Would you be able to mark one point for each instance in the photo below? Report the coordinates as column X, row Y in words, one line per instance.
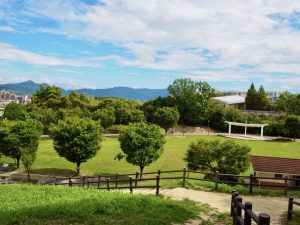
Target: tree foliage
column 77, row 139
column 257, row 100
column 141, row 143
column 192, row 100
column 211, row 156
column 19, row 136
column 166, row 117
column 289, row 103
column 292, row 124
column 15, row 111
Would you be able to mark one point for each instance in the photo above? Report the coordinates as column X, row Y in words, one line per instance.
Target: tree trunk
column 28, row 175
column 18, row 161
column 78, row 168
column 141, row 171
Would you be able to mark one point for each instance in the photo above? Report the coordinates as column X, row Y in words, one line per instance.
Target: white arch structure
column 246, row 125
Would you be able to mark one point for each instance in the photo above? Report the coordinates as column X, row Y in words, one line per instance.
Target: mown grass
column 48, row 161
column 36, row 205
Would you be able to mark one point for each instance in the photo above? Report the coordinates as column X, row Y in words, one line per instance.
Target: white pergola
column 246, row 125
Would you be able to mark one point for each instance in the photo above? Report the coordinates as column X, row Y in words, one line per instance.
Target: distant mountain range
column 142, row 94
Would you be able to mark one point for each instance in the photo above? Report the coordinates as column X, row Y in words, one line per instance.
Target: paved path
column 274, row 206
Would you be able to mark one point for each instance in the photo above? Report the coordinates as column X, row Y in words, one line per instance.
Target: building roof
column 247, row 124
column 230, row 100
column 276, row 165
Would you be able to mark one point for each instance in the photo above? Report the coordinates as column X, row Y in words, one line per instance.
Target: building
column 272, row 95
column 276, row 168
column 235, row 101
column 7, row 97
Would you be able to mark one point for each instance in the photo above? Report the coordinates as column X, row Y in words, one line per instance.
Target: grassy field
column 48, row 162
column 42, row 205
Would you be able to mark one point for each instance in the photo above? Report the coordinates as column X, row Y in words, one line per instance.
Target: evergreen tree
column 251, row 98
column 262, row 99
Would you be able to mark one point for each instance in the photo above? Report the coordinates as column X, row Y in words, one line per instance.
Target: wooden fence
column 134, row 180
column 291, row 212
column 242, row 214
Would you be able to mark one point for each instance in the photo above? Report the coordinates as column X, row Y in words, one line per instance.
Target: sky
column 148, row 44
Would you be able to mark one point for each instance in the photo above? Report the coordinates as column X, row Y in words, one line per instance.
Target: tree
column 289, row 103
column 76, row 139
column 15, row 136
column 192, row 100
column 49, row 97
column 125, row 115
column 14, row 111
column 141, row 143
column 292, row 124
column 211, row 156
column 263, row 102
column 166, row 117
column 251, row 98
column 106, row 116
column 28, row 157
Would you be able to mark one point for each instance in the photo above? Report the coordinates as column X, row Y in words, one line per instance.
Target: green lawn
column 48, row 162
column 42, row 205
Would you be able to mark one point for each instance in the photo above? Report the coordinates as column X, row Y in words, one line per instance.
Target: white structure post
column 262, row 132
column 229, row 131
column 245, row 130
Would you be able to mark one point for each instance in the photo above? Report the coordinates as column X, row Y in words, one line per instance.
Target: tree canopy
column 76, row 139
column 141, row 143
column 166, row 117
column 15, row 111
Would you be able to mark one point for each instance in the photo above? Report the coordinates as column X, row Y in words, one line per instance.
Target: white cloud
column 12, row 53
column 177, row 35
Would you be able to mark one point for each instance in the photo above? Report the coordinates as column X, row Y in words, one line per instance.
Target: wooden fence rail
column 291, row 212
column 184, row 175
column 242, row 214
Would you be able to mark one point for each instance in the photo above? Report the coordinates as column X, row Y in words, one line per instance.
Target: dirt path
column 274, row 206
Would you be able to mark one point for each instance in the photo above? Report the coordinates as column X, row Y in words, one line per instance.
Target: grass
column 37, row 205
column 48, row 162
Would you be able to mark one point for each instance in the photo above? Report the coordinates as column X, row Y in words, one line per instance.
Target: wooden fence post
column 184, row 177
column 233, row 195
column 136, row 179
column 116, row 180
column 247, row 218
column 157, row 185
column 99, row 181
column 88, row 183
column 263, row 219
column 238, row 208
column 107, row 183
column 130, row 184
column 83, row 179
column 285, row 185
column 217, row 175
column 251, row 180
column 158, row 172
column 70, row 182
column 290, row 209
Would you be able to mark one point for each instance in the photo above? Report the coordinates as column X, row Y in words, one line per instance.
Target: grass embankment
column 48, row 161
column 34, row 205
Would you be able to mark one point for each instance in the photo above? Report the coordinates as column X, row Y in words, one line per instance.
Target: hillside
column 64, row 205
column 142, row 94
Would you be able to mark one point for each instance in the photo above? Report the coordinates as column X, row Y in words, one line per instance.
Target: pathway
column 274, row 206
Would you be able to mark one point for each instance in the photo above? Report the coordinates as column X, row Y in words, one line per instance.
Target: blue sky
column 108, row 43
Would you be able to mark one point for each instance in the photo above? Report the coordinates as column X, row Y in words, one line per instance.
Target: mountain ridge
column 29, row 87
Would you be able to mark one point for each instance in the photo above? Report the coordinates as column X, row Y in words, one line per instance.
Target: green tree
column 49, row 97
column 14, row 111
column 251, row 98
column 292, row 124
column 76, row 139
column 141, row 143
column 263, row 102
column 125, row 115
column 192, row 100
column 166, row 117
column 106, row 116
column 16, row 136
column 289, row 103
column 211, row 156
column 28, row 157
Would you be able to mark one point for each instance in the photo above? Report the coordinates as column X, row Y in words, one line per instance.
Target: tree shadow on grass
column 54, row 172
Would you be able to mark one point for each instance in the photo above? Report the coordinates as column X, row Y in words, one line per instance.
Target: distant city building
column 7, row 97
column 272, row 95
